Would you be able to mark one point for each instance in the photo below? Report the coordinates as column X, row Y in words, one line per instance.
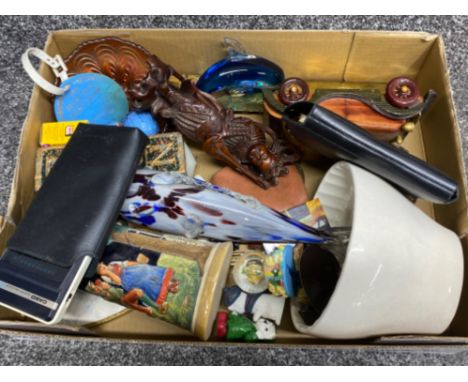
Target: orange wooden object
column 362, row 115
column 289, row 192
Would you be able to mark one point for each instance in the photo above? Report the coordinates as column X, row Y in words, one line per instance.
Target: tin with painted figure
column 166, row 277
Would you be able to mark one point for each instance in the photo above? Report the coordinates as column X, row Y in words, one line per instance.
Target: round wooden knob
column 293, row 90
column 402, row 92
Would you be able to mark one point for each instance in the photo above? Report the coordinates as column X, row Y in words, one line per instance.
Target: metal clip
column 59, row 68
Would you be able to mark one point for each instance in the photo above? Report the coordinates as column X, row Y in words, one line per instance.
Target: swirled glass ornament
column 175, row 203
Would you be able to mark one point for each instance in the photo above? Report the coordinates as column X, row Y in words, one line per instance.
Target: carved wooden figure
column 237, row 141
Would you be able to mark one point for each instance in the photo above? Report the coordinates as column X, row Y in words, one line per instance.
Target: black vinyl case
column 65, row 229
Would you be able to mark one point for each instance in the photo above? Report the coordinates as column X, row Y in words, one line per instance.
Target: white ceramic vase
column 402, row 272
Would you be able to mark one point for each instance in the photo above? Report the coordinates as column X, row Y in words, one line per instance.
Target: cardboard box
column 351, row 58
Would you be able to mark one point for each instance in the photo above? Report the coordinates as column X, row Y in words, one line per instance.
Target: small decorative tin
column 165, row 152
column 174, row 279
column 45, row 159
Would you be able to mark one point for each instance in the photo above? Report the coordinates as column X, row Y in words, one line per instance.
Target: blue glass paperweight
column 240, row 72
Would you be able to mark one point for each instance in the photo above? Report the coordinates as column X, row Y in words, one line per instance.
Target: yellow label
column 58, row 133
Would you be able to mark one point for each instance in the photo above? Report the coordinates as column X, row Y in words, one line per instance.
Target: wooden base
column 365, row 117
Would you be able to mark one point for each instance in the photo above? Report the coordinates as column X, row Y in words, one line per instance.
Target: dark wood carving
column 237, row 141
